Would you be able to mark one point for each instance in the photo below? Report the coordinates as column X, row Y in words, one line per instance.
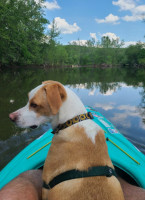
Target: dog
column 75, row 148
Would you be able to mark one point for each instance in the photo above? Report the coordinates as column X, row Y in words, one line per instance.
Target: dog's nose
column 13, row 116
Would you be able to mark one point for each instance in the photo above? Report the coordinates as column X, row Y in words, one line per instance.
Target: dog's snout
column 13, row 116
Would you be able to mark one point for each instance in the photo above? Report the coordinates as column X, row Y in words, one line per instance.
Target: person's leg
column 27, row 186
column 132, row 192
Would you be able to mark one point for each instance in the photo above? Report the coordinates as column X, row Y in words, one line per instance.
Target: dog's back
column 72, row 149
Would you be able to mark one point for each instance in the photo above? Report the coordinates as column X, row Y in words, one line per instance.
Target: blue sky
column 86, row 19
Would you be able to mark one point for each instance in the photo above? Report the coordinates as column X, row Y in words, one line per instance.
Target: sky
column 86, row 19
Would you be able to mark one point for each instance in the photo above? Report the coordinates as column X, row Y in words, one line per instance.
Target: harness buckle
column 109, row 172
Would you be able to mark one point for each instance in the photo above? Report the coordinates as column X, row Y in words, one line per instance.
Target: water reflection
column 120, row 104
column 13, row 145
column 117, row 93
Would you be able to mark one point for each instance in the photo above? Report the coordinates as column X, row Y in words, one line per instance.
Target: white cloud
column 109, row 92
column 112, row 36
column 124, row 85
column 127, row 108
column 109, row 19
column 127, row 111
column 93, row 35
column 92, row 92
column 124, row 4
column 121, row 118
column 49, row 5
column 139, row 9
column 127, row 44
column 83, row 42
column 104, row 106
column 78, row 86
column 65, row 27
column 137, row 12
column 79, row 42
column 132, row 18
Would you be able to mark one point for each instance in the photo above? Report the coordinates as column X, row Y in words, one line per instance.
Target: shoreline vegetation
column 47, row 66
column 24, row 41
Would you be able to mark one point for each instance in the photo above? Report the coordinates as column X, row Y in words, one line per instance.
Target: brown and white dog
column 79, row 146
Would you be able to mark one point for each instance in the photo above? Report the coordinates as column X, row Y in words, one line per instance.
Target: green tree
column 53, row 34
column 22, row 25
column 136, row 55
column 50, row 52
column 91, row 42
column 106, row 42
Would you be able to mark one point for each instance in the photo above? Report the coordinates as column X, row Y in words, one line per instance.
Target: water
column 118, row 94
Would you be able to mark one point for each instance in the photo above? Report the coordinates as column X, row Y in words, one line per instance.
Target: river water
column 119, row 94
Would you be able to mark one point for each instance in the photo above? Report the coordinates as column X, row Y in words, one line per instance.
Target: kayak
column 124, row 155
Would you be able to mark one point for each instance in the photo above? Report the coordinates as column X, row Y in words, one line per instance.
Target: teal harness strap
column 74, row 174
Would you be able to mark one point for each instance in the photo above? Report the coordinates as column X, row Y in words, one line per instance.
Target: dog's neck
column 69, row 109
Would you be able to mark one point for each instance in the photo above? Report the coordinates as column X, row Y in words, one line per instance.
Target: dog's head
column 44, row 102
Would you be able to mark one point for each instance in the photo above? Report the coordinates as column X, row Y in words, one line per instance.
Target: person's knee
column 19, row 189
column 26, row 186
column 32, row 175
column 132, row 192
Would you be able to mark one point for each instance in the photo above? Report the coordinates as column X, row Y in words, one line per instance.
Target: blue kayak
column 124, row 155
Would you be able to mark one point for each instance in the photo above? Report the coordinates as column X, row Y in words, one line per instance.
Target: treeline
column 24, row 41
column 74, row 55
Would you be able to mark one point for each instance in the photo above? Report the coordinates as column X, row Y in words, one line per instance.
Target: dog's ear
column 56, row 95
column 46, row 82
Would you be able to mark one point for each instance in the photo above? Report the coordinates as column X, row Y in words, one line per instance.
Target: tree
column 22, row 25
column 136, row 55
column 50, row 46
column 106, row 42
column 53, row 33
column 90, row 43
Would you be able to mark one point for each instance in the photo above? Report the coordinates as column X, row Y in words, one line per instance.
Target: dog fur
column 79, row 146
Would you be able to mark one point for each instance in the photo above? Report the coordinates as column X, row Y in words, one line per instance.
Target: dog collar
column 72, row 121
column 74, row 174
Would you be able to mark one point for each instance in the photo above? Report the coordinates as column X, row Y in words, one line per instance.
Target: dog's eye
column 33, row 105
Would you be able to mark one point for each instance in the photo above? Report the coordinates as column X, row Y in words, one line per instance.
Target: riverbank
column 46, row 66
column 73, row 56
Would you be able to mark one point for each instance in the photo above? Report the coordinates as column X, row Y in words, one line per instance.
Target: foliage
column 106, row 42
column 136, row 55
column 53, row 53
column 108, row 53
column 21, row 29
column 53, row 33
column 24, row 41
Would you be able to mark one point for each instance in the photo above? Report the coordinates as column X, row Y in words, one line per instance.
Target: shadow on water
column 119, row 94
